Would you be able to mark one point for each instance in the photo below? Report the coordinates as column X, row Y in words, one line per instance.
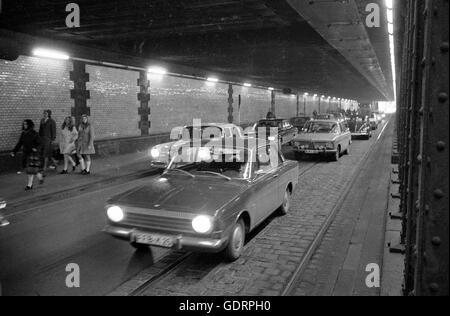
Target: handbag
column 34, row 163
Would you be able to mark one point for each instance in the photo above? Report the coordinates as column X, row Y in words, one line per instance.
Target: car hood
column 309, row 137
column 202, row 195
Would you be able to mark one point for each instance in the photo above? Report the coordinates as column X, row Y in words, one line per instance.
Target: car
column 286, row 132
column 161, row 154
column 324, row 137
column 331, row 116
column 373, row 121
column 3, row 221
column 360, row 128
column 299, row 122
column 206, row 204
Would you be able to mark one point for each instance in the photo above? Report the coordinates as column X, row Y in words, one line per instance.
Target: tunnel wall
column 29, row 85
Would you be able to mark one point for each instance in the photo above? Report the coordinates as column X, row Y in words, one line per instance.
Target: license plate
column 311, row 151
column 154, row 240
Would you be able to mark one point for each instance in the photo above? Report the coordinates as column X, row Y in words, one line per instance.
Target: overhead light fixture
column 212, row 79
column 315, row 95
column 248, row 85
column 271, row 89
column 49, row 53
column 306, row 94
column 157, row 70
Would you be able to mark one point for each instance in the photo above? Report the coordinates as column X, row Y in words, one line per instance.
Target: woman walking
column 32, row 152
column 69, row 135
column 85, row 145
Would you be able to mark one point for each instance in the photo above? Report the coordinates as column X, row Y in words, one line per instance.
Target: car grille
column 159, row 223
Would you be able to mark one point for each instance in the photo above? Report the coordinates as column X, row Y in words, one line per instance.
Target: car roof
column 220, row 125
column 326, row 121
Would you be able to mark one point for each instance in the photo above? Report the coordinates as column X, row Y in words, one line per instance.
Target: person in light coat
column 67, row 146
column 85, row 146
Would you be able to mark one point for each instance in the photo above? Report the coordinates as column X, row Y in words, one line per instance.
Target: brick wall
column 255, row 103
column 177, row 101
column 113, row 103
column 30, row 85
column 27, row 87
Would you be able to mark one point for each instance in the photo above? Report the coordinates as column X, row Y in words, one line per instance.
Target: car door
column 346, row 137
column 265, row 183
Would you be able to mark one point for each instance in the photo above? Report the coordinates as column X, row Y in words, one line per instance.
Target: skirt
column 34, row 164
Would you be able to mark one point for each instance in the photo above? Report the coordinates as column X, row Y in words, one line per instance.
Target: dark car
column 360, row 129
column 300, row 122
column 206, row 204
column 285, row 131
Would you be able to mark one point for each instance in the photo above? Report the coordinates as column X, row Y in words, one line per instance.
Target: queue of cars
column 220, row 182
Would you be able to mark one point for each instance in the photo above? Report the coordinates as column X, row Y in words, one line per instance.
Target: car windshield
column 227, row 163
column 299, row 121
column 268, row 124
column 205, row 132
column 320, row 127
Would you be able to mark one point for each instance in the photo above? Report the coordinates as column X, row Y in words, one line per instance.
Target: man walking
column 47, row 132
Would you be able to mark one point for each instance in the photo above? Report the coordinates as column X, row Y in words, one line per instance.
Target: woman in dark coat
column 32, row 153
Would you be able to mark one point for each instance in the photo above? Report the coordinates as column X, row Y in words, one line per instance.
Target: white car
column 162, row 154
column 324, row 138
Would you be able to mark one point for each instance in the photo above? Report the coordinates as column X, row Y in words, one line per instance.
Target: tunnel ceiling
column 266, row 42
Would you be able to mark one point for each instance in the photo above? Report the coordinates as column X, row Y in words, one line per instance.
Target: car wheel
column 236, row 243
column 337, row 155
column 284, row 209
column 140, row 247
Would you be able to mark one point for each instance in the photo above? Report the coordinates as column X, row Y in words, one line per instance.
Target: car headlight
column 2, row 204
column 272, row 138
column 115, row 214
column 202, row 224
column 155, row 152
column 330, row 145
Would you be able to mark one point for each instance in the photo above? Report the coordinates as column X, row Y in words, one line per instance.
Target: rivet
column 427, row 209
column 419, row 159
column 440, row 145
column 421, row 110
column 438, row 193
column 434, row 287
column 436, row 241
column 443, row 97
column 444, row 47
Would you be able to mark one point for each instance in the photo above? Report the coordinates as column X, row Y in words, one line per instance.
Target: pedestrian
column 85, row 146
column 270, row 116
column 47, row 132
column 20, row 145
column 69, row 135
column 315, row 114
column 32, row 153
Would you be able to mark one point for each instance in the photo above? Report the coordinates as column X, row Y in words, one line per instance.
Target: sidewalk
column 12, row 185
